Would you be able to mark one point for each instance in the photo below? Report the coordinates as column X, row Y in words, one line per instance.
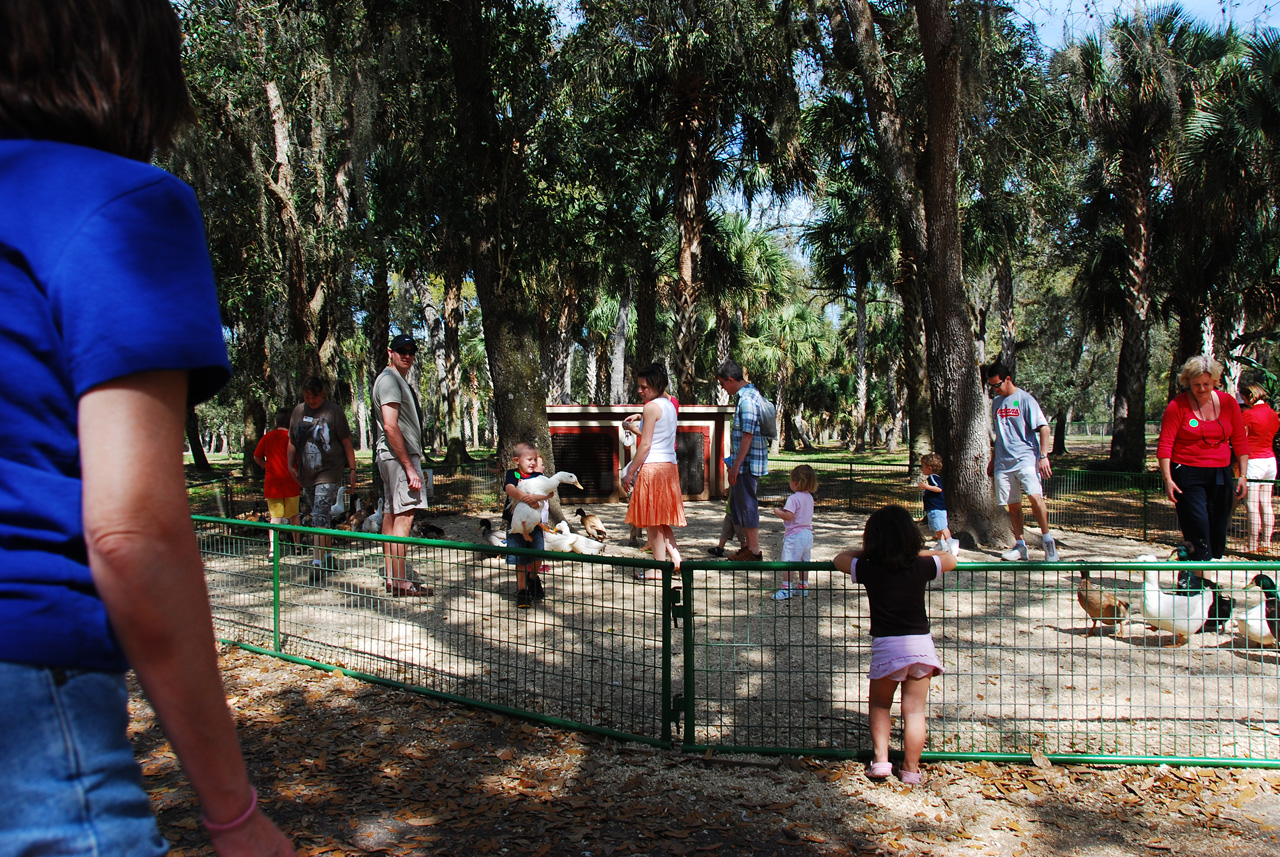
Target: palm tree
column 1131, row 87
column 718, row 77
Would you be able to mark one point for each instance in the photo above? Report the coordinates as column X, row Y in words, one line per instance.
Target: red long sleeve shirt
column 1187, row 439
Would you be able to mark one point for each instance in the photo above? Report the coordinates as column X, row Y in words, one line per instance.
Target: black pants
column 1204, row 508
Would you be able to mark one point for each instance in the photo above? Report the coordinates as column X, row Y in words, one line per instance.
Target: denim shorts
column 69, row 784
column 937, row 520
column 535, row 542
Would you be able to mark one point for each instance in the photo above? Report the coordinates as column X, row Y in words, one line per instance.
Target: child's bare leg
column 915, row 696
column 522, row 577
column 669, row 536
column 879, row 701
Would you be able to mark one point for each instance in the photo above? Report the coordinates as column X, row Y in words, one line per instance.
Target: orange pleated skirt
column 656, row 498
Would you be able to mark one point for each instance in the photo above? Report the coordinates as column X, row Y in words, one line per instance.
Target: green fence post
column 849, row 490
column 1145, row 493
column 667, row 613
column 687, row 736
column 275, row 590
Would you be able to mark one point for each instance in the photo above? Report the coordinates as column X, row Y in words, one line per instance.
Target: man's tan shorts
column 395, row 485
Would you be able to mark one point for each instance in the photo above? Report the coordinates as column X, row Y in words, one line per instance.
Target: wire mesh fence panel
column 1025, row 672
column 842, row 484
column 591, row 653
column 771, row 674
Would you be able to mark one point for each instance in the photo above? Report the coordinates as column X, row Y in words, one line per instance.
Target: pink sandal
column 910, row 778
column 880, row 770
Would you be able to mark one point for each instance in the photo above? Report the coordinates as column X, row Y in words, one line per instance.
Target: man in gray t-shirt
column 1019, row 457
column 398, row 457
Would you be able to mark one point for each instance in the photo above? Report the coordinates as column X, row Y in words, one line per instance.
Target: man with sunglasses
column 1019, row 457
column 398, row 455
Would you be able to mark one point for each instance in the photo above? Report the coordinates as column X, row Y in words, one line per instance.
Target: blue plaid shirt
column 747, row 418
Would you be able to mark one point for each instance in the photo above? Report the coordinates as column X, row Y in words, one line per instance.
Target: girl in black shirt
column 895, row 571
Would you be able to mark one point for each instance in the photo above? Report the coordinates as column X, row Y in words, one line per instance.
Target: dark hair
column 730, row 371
column 891, row 538
column 996, row 369
column 282, row 417
column 315, row 385
column 106, row 74
column 655, row 375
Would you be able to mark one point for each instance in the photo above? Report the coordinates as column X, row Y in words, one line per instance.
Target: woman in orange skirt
column 652, row 477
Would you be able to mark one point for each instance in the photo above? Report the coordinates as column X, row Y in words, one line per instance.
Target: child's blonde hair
column 804, row 478
column 931, row 460
column 522, row 447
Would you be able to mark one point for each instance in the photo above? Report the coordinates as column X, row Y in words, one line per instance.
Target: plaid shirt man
column 747, row 419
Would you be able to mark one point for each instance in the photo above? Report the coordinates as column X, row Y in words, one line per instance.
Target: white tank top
column 663, row 448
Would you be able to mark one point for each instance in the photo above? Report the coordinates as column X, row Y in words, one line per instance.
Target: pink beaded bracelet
column 241, row 819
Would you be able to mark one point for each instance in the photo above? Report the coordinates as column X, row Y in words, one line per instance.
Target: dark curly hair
column 891, row 538
column 106, row 74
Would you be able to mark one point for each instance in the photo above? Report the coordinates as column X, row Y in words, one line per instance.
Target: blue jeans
column 69, row 784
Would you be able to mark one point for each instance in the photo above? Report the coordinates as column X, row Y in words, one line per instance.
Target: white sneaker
column 942, row 545
column 782, row 594
column 953, row 547
column 1051, row 551
column 1019, row 552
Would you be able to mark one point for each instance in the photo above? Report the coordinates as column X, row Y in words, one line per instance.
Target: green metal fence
column 711, row 660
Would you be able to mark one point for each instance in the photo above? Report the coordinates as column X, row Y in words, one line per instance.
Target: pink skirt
column 655, row 498
column 900, row 658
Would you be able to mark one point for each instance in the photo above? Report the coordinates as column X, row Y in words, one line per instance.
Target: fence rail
column 709, row 660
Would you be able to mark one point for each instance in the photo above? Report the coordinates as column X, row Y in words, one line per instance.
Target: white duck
column 525, row 518
column 373, row 523
column 1181, row 615
column 1261, row 624
column 339, row 507
column 560, row 539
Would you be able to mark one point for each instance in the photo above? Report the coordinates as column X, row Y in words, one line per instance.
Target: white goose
column 1261, row 624
column 1181, row 615
column 525, row 518
column 373, row 523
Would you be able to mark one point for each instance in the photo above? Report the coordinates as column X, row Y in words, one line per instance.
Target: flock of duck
column 1194, row 605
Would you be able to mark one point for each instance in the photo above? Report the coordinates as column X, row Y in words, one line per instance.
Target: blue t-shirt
column 935, row 501
column 104, row 273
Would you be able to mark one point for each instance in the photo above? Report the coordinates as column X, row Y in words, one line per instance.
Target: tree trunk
column 618, row 346
column 1129, row 418
column 1004, row 292
column 860, row 367
column 198, row 459
column 452, row 318
column 959, row 406
column 492, row 162
column 688, row 136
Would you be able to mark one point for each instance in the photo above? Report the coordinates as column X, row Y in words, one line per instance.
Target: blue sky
column 1082, row 16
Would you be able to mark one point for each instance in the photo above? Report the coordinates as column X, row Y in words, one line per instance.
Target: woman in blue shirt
column 110, row 331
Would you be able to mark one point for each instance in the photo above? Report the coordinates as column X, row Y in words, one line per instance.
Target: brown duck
column 1101, row 605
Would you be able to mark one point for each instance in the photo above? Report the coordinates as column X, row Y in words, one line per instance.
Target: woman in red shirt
column 1260, row 425
column 1199, row 430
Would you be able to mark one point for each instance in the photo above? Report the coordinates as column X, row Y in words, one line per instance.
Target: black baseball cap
column 403, row 342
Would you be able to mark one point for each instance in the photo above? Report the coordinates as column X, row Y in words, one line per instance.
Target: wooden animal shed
column 587, row 441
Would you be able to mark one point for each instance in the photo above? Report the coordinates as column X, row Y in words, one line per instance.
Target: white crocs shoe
column 953, row 547
column 1018, row 552
column 1051, row 550
column 782, row 594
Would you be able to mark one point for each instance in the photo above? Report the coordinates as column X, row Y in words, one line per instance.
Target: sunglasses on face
column 407, row 352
